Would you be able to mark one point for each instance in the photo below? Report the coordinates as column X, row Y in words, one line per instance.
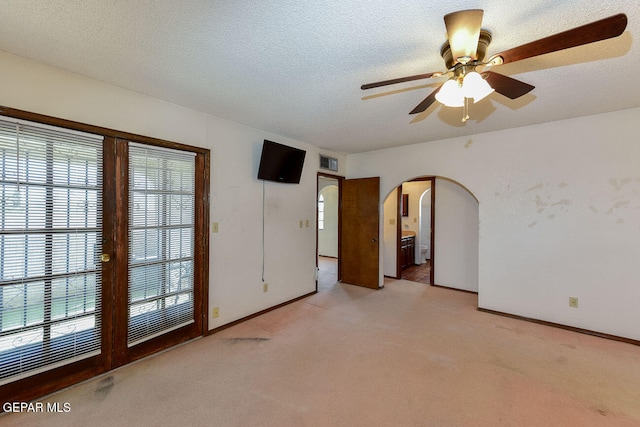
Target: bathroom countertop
column 408, row 233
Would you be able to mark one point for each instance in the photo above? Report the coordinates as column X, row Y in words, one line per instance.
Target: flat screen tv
column 280, row 163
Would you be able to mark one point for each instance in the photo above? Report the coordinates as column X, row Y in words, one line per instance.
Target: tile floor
column 418, row 273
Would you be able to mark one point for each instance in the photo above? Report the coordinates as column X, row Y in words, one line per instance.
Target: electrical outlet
column 216, row 312
column 392, row 221
column 214, row 227
column 265, row 287
column 573, row 302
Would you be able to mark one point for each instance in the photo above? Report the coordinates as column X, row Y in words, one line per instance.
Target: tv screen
column 280, row 163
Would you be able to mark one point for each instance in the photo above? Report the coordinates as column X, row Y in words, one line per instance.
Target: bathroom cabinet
column 407, row 251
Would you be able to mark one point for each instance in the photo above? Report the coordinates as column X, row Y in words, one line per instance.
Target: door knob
column 105, row 258
column 375, row 239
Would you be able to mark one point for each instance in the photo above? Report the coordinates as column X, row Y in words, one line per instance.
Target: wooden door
column 360, row 227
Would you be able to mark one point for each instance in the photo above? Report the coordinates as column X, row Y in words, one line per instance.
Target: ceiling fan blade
column 463, row 32
column 426, row 103
column 507, row 86
column 399, row 80
column 603, row 29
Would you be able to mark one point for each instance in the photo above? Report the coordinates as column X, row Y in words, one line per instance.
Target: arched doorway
column 453, row 244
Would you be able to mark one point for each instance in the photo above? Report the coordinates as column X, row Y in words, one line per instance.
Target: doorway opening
column 408, row 231
column 421, row 270
column 356, row 231
column 327, row 229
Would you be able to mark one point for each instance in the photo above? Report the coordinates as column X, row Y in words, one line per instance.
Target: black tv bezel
column 282, row 172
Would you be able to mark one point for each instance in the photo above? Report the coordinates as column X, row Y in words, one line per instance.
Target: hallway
column 327, row 272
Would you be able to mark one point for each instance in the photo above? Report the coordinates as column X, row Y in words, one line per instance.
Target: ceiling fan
column 466, row 49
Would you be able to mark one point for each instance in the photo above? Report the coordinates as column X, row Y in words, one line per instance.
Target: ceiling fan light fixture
column 474, row 86
column 450, row 94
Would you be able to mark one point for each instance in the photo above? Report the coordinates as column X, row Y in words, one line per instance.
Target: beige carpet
column 407, row 355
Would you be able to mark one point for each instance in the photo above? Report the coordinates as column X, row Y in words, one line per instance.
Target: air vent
column 328, row 163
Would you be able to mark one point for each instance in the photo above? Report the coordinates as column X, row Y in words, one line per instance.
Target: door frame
column 432, row 179
column 40, row 384
column 340, row 180
column 121, row 351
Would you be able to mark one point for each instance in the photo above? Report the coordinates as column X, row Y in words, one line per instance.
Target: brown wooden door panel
column 360, row 240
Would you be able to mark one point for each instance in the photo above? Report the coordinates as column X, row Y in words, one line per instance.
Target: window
column 161, row 231
column 50, row 231
column 321, row 212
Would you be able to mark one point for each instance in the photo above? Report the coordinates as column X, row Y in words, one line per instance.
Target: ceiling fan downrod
column 465, row 111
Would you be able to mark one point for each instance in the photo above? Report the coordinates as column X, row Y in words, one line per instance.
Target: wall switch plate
column 573, row 302
column 215, row 312
column 265, row 287
column 214, row 227
column 306, row 223
column 301, row 223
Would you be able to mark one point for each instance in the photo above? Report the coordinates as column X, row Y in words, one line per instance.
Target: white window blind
column 161, row 235
column 50, row 240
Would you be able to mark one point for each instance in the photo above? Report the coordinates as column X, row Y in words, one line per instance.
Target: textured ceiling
column 295, row 67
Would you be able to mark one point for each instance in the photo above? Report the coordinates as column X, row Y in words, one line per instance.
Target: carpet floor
column 407, row 355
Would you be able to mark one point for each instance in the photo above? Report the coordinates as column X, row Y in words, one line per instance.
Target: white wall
column 456, row 237
column 559, row 211
column 559, row 202
column 236, row 194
